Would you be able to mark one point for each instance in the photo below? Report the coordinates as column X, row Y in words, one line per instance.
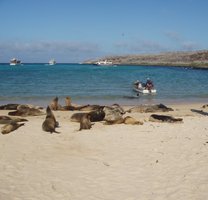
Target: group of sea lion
column 54, row 105
column 94, row 113
column 12, row 123
column 91, row 113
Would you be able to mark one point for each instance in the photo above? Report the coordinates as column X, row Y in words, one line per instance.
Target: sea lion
column 119, row 108
column 10, row 127
column 9, row 107
column 50, row 122
column 54, row 104
column 25, row 110
column 132, row 121
column 95, row 116
column 116, row 121
column 200, row 112
column 7, row 120
column 68, row 101
column 89, row 107
column 126, row 120
column 85, row 122
column 112, row 113
column 205, row 106
column 68, row 105
column 150, row 108
column 76, row 117
column 164, row 118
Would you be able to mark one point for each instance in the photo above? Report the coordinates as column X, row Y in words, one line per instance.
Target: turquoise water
column 90, row 84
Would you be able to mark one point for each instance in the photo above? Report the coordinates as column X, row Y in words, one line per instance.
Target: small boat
column 104, row 63
column 145, row 91
column 141, row 88
column 14, row 61
column 52, row 62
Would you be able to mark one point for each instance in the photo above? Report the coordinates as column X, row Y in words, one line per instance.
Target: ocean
column 38, row 84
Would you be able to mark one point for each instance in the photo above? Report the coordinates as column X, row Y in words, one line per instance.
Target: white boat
column 140, row 88
column 52, row 62
column 104, row 63
column 145, row 91
column 14, row 61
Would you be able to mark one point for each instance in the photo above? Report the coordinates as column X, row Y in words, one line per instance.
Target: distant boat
column 14, row 61
column 52, row 62
column 104, row 63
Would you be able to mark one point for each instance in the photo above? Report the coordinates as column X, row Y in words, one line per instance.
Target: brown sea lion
column 68, row 105
column 54, row 104
column 164, row 118
column 132, row 121
column 126, row 120
column 205, row 106
column 50, row 123
column 95, row 116
column 89, row 107
column 150, row 108
column 85, row 122
column 23, row 106
column 10, row 127
column 76, row 117
column 68, row 101
column 116, row 121
column 25, row 110
column 119, row 108
column 112, row 113
column 7, row 120
column 9, row 107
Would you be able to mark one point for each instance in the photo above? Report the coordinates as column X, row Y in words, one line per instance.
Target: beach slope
column 151, row 161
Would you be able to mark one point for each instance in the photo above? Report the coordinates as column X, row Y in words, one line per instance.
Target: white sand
column 154, row 161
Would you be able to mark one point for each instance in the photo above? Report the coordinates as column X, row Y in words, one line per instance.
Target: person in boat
column 138, row 84
column 149, row 84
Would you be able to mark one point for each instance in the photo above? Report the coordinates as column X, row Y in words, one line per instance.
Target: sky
column 79, row 30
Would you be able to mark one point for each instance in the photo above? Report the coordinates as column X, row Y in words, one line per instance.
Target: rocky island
column 194, row 59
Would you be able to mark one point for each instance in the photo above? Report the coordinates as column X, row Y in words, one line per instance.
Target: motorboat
column 14, row 61
column 142, row 88
column 104, row 63
column 52, row 62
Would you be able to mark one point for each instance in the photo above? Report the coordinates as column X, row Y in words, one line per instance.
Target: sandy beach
column 153, row 161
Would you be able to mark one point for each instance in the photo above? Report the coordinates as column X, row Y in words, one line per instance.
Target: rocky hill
column 196, row 59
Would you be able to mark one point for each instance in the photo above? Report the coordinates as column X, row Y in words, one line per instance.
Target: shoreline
column 200, row 66
column 124, row 103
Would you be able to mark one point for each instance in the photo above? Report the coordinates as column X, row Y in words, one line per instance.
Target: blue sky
column 77, row 30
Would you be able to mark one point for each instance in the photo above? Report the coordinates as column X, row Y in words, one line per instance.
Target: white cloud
column 189, row 46
column 180, row 42
column 173, row 35
column 145, row 46
column 49, row 46
column 40, row 51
